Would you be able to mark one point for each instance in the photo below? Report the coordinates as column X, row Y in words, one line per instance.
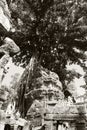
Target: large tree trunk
column 24, row 86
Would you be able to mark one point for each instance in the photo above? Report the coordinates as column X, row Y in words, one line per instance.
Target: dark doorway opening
column 7, row 127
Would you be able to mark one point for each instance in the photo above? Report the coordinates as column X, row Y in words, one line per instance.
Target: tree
column 52, row 30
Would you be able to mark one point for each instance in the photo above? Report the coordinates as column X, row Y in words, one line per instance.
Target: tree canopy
column 54, row 30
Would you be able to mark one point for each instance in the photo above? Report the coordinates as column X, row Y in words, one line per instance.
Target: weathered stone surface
column 3, row 94
column 35, row 113
column 71, row 112
column 4, row 60
column 46, row 83
column 38, row 83
column 8, row 49
column 9, row 46
column 5, row 15
column 36, row 107
column 49, row 77
column 46, row 90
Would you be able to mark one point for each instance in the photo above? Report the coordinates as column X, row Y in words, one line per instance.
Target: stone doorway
column 7, row 127
column 62, row 125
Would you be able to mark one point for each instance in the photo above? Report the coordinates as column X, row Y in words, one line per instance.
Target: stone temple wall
column 59, row 117
column 8, row 46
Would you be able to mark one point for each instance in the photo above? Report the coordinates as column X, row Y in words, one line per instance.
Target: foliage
column 52, row 29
